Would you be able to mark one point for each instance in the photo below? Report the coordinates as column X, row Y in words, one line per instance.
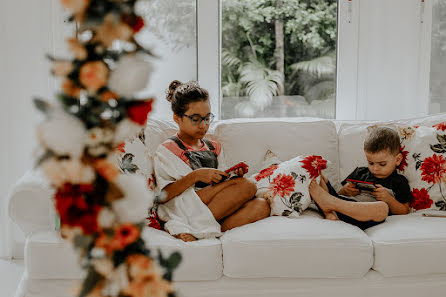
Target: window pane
column 438, row 58
column 170, row 33
column 278, row 58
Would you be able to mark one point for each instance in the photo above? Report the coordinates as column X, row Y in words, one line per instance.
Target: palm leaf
column 261, row 82
column 320, row 66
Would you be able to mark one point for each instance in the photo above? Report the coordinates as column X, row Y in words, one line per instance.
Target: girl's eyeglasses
column 197, row 119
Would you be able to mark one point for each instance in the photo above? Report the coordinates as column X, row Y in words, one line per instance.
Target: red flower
column 403, row 163
column 138, row 24
column 154, row 221
column 266, row 172
column 121, row 147
column 433, row 169
column 421, row 199
column 441, row 126
column 74, row 210
column 282, row 185
column 314, row 165
column 138, row 112
column 124, row 235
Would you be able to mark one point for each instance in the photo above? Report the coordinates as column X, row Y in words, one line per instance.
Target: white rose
column 68, row 171
column 62, row 133
column 126, row 129
column 131, row 75
column 137, row 200
column 116, row 281
column 106, row 218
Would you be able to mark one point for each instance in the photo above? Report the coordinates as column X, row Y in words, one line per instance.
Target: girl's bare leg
column 207, row 194
column 231, row 198
column 253, row 210
column 361, row 211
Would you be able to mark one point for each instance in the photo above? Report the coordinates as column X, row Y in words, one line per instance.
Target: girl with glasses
column 200, row 201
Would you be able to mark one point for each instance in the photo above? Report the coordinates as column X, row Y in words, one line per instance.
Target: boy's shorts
column 361, row 224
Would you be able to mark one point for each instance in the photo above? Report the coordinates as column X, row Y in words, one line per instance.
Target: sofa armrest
column 30, row 203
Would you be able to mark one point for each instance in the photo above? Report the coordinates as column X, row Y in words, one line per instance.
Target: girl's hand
column 241, row 171
column 349, row 190
column 209, row 175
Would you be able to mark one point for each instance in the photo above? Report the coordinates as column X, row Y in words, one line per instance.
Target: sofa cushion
column 48, row 256
column 409, row 245
column 305, row 247
column 201, row 259
column 353, row 134
column 248, row 140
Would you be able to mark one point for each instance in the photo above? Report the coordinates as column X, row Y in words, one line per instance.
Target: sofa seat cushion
column 409, row 245
column 48, row 256
column 201, row 259
column 306, row 247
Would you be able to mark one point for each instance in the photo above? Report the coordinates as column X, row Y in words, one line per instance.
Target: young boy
column 392, row 193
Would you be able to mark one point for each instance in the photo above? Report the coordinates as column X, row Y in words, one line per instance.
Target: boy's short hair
column 382, row 139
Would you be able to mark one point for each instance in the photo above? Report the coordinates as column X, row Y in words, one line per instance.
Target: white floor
column 10, row 274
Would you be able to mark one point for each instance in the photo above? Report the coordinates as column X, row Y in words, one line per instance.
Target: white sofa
column 278, row 256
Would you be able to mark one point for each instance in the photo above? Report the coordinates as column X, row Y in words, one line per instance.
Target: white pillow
column 285, row 185
column 425, row 152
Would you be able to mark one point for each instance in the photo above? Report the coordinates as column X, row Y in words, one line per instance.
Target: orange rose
column 62, row 68
column 125, row 234
column 106, row 169
column 93, row 75
column 141, row 267
column 108, row 95
column 71, row 89
column 149, row 287
column 76, row 6
column 111, row 29
column 78, row 50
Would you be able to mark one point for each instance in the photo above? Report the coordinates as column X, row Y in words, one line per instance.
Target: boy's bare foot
column 323, row 199
column 185, row 237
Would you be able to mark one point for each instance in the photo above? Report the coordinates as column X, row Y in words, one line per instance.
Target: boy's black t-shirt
column 395, row 182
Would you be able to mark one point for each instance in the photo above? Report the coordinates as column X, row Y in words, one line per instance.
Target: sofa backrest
column 249, row 139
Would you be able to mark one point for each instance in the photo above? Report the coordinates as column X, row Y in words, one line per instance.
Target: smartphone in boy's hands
column 232, row 171
column 362, row 186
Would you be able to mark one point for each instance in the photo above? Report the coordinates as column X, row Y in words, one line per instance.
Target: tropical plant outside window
column 278, row 58
column 438, row 57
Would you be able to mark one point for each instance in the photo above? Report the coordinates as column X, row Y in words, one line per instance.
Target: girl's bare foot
column 323, row 199
column 185, row 237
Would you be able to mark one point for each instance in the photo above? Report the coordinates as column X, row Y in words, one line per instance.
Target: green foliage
column 248, row 38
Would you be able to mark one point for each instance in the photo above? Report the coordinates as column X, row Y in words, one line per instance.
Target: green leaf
column 81, row 241
column 90, row 282
column 174, row 260
column 48, row 154
column 42, row 105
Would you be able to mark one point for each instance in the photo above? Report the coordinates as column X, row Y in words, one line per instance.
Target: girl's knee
column 259, row 207
column 247, row 186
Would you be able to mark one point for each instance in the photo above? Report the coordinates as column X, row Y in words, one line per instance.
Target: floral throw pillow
column 424, row 164
column 285, row 185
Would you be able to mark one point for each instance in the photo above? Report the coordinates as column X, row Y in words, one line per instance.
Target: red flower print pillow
column 424, row 164
column 285, row 185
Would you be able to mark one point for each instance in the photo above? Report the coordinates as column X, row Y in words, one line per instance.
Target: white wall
column 27, row 34
column 390, row 53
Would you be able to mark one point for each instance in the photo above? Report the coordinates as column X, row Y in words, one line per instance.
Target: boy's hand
column 209, row 175
column 381, row 194
column 349, row 189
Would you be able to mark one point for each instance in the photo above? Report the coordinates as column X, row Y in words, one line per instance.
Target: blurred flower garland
column 102, row 210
